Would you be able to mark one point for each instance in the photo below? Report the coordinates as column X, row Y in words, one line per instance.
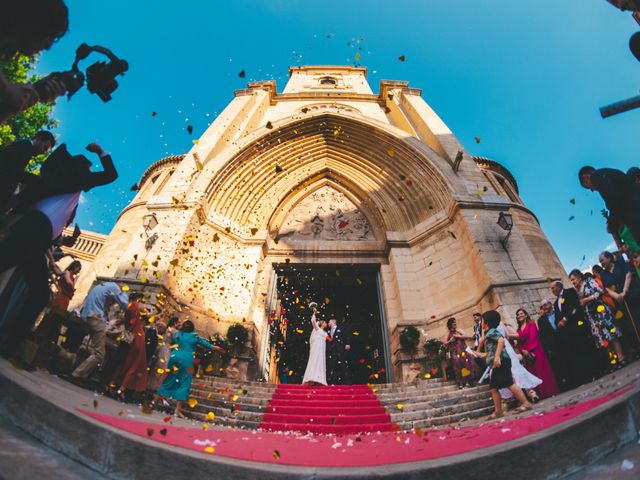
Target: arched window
column 328, row 81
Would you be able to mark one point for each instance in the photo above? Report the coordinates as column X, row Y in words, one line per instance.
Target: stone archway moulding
column 403, row 185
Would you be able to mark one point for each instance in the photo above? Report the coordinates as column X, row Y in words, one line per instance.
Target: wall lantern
column 149, row 222
column 505, row 220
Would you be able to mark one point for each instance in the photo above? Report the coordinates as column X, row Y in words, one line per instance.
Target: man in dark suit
column 337, row 350
column 575, row 350
column 15, row 158
column 548, row 329
column 620, row 194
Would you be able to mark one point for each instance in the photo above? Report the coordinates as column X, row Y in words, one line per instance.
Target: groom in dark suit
column 337, row 348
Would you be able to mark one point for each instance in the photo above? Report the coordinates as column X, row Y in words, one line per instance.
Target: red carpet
column 336, row 409
column 349, row 450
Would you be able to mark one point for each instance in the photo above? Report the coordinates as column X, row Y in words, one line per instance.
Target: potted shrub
column 237, row 336
column 409, row 339
column 436, row 357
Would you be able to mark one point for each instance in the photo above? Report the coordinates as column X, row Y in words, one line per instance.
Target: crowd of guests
column 130, row 352
column 582, row 332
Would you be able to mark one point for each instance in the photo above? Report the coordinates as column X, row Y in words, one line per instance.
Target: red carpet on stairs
column 337, row 409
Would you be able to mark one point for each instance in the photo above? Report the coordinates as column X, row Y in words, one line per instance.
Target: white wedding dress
column 317, row 365
column 521, row 376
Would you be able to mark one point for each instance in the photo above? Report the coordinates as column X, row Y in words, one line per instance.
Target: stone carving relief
column 326, row 214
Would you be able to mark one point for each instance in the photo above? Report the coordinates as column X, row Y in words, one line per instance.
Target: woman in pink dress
column 534, row 358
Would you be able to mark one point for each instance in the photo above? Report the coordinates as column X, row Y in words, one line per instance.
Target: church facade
column 328, row 174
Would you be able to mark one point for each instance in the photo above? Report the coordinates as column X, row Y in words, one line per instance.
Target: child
column 498, row 359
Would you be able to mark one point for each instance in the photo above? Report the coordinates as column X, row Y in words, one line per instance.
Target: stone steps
column 424, row 403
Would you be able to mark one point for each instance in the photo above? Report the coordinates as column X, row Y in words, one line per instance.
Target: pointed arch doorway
column 349, row 292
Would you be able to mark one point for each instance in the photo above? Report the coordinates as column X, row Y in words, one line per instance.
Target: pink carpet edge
column 350, row 450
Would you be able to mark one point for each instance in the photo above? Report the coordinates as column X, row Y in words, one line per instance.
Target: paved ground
column 22, row 457
column 623, row 464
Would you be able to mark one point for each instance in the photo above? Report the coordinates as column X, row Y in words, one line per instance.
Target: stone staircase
column 421, row 404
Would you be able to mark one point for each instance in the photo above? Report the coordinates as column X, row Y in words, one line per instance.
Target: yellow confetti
column 125, row 288
column 192, row 402
column 619, row 315
column 144, row 280
column 209, row 449
column 400, row 406
column 465, row 372
column 211, row 417
column 600, row 309
column 427, row 375
column 580, row 323
column 356, row 333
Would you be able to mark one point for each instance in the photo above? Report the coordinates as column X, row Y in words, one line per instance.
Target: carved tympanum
column 326, row 214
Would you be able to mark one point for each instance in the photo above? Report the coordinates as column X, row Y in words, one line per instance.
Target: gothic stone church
column 364, row 203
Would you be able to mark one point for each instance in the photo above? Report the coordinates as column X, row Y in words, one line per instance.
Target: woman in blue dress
column 177, row 384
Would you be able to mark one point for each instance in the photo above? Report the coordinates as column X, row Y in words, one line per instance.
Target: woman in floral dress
column 604, row 332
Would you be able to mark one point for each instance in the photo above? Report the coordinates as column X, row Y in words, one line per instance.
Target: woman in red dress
column 534, row 358
column 66, row 287
column 132, row 373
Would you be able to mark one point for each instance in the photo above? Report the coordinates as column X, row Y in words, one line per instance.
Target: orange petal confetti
column 192, row 402
column 619, row 315
column 465, row 372
column 209, row 449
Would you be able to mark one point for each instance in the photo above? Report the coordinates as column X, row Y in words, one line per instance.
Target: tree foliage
column 25, row 124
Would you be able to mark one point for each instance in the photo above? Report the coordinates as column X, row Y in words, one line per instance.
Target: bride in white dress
column 316, row 372
column 521, row 376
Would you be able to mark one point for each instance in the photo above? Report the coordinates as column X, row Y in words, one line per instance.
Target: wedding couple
column 327, row 352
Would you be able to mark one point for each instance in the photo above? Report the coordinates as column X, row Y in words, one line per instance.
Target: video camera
column 100, row 77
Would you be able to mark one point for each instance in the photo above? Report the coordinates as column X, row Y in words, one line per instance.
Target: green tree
column 25, row 124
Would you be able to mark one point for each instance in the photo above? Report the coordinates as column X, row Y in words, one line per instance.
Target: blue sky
column 525, row 77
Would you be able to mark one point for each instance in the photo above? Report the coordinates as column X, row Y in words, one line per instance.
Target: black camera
column 100, row 77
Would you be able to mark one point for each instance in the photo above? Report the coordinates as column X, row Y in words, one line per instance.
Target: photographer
column 48, row 205
column 26, row 28
column 15, row 158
